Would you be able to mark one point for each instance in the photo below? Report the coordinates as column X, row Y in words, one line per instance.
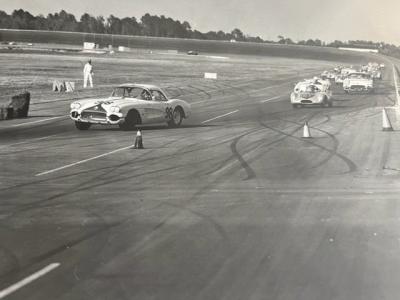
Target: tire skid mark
column 208, row 95
column 352, row 167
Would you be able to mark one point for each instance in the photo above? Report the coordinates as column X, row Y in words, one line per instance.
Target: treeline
column 158, row 26
column 148, row 25
column 382, row 47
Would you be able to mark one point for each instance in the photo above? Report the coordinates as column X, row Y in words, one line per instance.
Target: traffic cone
column 386, row 125
column 306, row 131
column 138, row 140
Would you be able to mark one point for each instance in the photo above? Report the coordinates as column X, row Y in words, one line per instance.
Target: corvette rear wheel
column 177, row 117
column 82, row 125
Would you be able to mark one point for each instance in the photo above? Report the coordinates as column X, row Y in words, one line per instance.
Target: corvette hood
column 108, row 102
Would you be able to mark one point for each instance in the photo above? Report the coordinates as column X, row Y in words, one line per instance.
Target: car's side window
column 158, row 96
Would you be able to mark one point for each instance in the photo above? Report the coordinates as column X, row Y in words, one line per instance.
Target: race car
column 339, row 78
column 306, row 93
column 376, row 74
column 358, row 82
column 328, row 75
column 344, row 72
column 130, row 105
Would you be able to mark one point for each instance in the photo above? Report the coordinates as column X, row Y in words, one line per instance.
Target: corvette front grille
column 306, row 95
column 94, row 115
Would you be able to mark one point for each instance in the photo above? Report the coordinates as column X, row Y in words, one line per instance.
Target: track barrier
column 17, row 107
column 306, row 131
column 63, row 86
column 58, row 86
column 386, row 125
column 69, row 86
column 138, row 140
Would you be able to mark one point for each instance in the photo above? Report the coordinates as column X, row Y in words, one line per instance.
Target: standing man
column 88, row 73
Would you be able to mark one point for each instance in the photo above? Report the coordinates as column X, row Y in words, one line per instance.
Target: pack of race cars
column 130, row 105
column 317, row 91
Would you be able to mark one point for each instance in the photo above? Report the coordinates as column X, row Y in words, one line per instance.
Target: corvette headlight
column 75, row 105
column 115, row 109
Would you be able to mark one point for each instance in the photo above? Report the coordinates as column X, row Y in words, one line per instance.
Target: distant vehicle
column 347, row 71
column 344, row 72
column 192, row 52
column 376, row 74
column 328, row 75
column 358, row 82
column 382, row 66
column 130, row 105
column 306, row 93
column 339, row 78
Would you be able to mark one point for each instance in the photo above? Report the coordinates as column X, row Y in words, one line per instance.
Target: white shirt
column 88, row 69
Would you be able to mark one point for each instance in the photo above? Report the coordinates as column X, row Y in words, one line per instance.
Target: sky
column 297, row 19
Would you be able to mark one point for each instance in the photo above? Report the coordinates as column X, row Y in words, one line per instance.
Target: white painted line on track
column 270, row 99
column 82, row 161
column 16, row 286
column 38, row 121
column 221, row 116
column 197, row 102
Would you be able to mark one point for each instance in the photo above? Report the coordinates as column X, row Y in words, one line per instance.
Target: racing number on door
column 169, row 113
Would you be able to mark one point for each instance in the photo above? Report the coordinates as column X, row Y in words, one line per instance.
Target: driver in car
column 145, row 95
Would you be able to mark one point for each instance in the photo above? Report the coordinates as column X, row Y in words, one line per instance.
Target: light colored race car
column 130, row 105
column 358, row 82
column 376, row 74
column 339, row 78
column 328, row 75
column 306, row 93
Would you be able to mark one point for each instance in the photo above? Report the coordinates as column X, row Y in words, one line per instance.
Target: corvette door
column 160, row 104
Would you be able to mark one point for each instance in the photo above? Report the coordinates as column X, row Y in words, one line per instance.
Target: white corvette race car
column 130, row 105
column 358, row 82
column 306, row 93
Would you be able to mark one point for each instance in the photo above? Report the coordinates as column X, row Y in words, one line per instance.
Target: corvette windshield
column 128, row 92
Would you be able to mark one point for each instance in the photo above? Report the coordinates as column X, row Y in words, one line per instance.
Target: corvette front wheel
column 177, row 117
column 82, row 125
column 131, row 120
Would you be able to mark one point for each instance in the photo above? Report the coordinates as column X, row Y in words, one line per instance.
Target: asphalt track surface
column 232, row 205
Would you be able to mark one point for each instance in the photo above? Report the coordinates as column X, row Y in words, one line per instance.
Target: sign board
column 123, row 49
column 210, row 75
column 89, row 46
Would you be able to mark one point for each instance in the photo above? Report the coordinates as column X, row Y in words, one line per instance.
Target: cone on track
column 386, row 125
column 138, row 140
column 306, row 131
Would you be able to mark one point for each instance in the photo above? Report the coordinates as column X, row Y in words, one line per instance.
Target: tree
column 238, row 35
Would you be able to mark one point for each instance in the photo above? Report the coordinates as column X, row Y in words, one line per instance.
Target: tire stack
column 18, row 107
